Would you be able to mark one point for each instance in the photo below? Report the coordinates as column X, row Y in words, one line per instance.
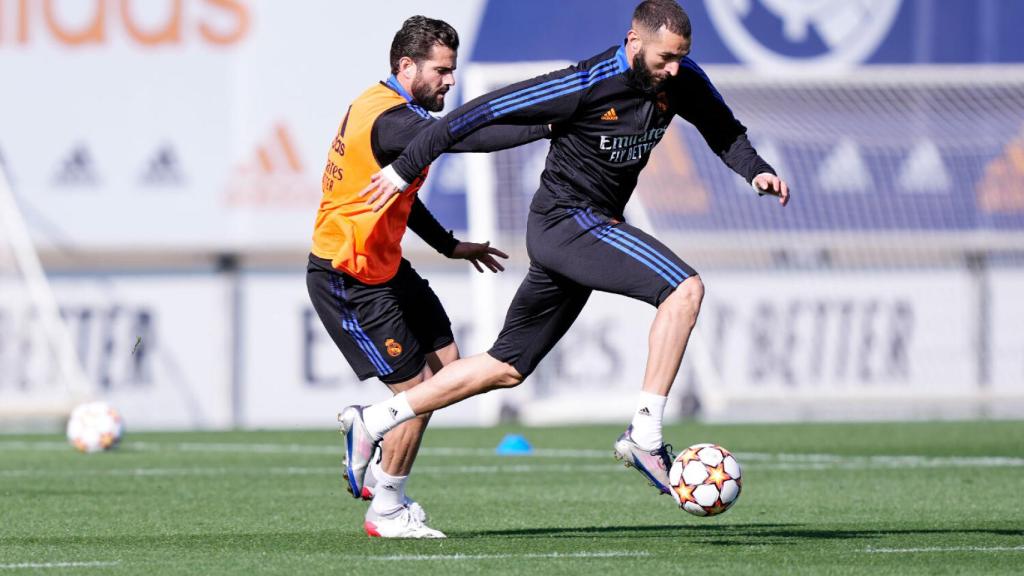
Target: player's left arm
column 392, row 132
column 426, row 226
column 700, row 103
column 501, row 137
column 396, row 128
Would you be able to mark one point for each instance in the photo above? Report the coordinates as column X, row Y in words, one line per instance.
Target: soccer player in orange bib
column 381, row 314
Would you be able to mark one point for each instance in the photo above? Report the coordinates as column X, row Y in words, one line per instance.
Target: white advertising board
column 170, row 352
column 185, row 124
column 782, row 346
column 158, row 347
column 293, row 375
column 1006, row 377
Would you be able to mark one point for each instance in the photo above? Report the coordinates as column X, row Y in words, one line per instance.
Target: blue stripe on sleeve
column 535, row 95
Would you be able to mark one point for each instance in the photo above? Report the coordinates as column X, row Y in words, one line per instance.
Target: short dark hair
column 418, row 36
column 653, row 14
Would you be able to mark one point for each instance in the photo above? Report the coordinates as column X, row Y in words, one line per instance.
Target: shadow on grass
column 332, row 540
column 311, row 542
column 729, row 535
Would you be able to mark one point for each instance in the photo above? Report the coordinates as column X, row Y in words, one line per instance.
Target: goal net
column 885, row 289
column 40, row 376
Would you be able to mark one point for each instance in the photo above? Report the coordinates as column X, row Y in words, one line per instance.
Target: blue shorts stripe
column 602, row 233
column 640, row 244
column 644, row 247
column 354, row 330
column 350, row 325
column 641, row 247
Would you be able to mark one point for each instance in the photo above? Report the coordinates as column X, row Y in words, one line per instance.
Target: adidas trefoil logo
column 610, row 115
column 393, row 412
column 644, row 411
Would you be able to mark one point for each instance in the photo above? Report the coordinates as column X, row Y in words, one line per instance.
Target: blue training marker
column 513, row 445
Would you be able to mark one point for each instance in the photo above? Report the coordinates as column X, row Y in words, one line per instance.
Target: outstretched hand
column 380, row 190
column 768, row 183
column 480, row 254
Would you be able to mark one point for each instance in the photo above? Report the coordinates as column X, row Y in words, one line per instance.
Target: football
column 706, row 479
column 94, row 427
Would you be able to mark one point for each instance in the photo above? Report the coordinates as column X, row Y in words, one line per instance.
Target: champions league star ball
column 94, row 427
column 706, row 479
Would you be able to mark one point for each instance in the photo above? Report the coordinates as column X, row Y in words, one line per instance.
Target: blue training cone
column 513, row 445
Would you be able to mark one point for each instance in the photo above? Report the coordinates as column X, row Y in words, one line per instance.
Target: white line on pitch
column 945, row 549
column 39, row 565
column 759, row 460
column 551, row 555
column 34, row 445
column 422, row 469
column 306, row 471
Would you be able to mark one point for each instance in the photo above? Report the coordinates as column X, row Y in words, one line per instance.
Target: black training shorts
column 384, row 330
column 574, row 251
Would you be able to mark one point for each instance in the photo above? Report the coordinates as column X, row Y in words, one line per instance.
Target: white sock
column 647, row 421
column 389, row 494
column 383, row 416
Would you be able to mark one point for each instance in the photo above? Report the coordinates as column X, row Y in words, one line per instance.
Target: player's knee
column 686, row 300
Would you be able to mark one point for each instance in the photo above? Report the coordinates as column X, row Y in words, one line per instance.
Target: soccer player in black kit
column 608, row 112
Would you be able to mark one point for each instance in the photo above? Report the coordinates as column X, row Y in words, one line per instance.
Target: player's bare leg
column 400, row 446
column 459, row 380
column 641, row 446
column 670, row 333
column 392, row 513
column 462, row 379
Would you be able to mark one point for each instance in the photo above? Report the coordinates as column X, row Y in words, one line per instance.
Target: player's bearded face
column 434, row 78
column 648, row 81
column 658, row 58
column 428, row 94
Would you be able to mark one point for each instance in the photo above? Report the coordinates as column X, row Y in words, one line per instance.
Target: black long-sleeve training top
column 395, row 129
column 605, row 126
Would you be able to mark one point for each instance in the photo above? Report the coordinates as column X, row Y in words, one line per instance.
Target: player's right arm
column 395, row 129
column 548, row 99
column 391, row 133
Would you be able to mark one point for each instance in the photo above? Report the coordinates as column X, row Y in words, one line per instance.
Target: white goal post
column 51, row 384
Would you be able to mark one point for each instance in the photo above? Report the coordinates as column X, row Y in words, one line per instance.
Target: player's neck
column 406, row 85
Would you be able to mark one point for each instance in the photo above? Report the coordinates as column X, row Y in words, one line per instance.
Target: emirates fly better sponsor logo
column 630, row 147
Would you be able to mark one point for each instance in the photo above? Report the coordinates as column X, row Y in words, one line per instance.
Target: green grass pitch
column 929, row 498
